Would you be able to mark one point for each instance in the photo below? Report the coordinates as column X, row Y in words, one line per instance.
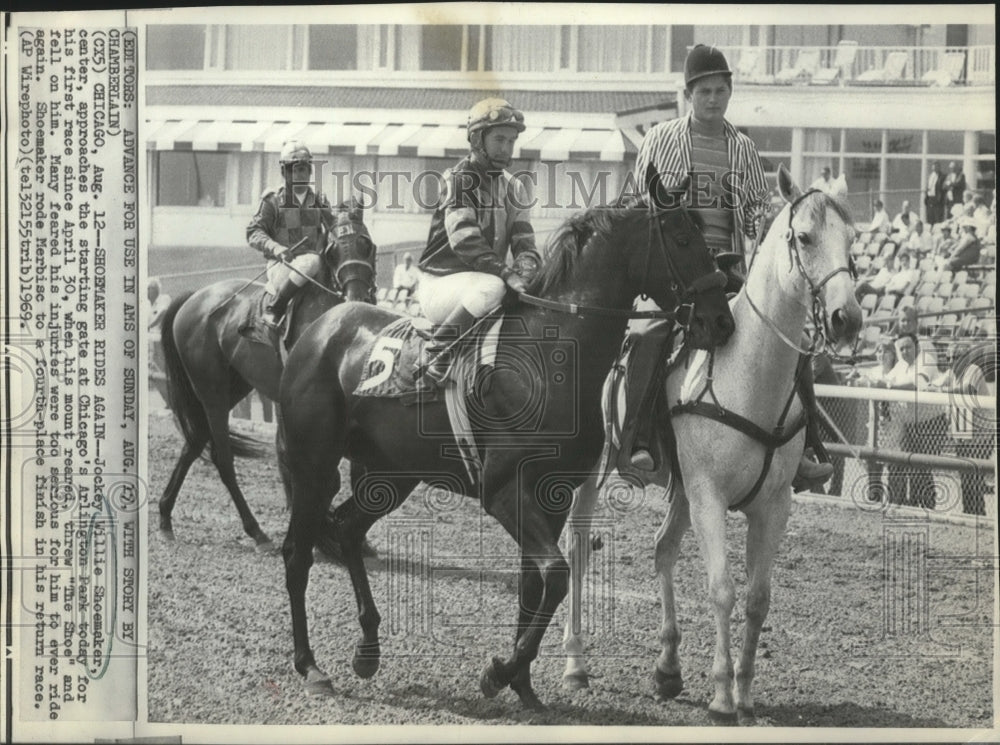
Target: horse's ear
column 659, row 195
column 786, row 187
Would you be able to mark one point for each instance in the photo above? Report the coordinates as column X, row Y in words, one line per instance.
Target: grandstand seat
column 926, row 265
column 806, row 65
column 923, row 303
column 907, row 301
column 857, row 248
column 873, row 249
column 957, row 304
column 988, row 327
column 961, row 277
column 980, row 302
column 932, row 277
column 946, row 276
column 865, row 238
column 885, row 308
column 946, row 324
column 936, row 305
column 382, row 292
column 888, row 249
column 862, row 264
column 877, row 263
column 969, row 291
column 945, row 290
column 926, row 289
column 868, row 303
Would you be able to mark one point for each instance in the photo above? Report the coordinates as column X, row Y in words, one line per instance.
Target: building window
column 903, row 142
column 333, row 47
column 258, row 47
column 612, row 49
column 863, row 141
column 191, row 179
column 944, row 143
column 521, row 48
column 175, row 47
column 986, row 164
column 441, row 48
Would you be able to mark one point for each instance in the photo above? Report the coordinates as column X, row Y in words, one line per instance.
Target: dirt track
column 833, row 654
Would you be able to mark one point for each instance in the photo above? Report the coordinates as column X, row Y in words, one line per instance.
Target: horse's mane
column 566, row 243
column 818, row 203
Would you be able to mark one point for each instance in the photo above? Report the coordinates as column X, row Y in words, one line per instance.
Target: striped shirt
column 479, row 218
column 668, row 147
column 709, row 156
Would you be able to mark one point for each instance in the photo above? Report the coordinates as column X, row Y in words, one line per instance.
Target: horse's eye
column 804, row 239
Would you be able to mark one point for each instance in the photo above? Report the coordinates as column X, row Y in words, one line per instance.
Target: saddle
column 621, row 430
column 254, row 329
column 389, row 373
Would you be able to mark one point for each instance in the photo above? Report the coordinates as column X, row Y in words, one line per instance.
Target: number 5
column 385, row 351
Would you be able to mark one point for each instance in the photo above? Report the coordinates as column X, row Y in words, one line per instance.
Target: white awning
column 553, row 144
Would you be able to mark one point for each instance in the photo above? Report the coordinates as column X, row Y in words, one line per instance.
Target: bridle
column 686, row 293
column 820, row 341
column 367, row 273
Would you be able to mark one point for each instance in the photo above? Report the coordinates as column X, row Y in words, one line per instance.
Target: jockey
column 482, row 214
column 728, row 189
column 284, row 218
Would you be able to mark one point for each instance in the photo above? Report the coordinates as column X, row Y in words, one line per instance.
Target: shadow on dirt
column 842, row 715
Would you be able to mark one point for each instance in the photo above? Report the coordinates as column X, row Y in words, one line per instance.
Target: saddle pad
column 388, row 372
column 252, row 327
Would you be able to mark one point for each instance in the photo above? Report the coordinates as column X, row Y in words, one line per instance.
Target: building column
column 923, row 177
column 798, row 162
column 970, row 149
column 883, row 176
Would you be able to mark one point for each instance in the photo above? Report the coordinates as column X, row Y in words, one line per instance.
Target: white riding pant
column 477, row 292
column 278, row 273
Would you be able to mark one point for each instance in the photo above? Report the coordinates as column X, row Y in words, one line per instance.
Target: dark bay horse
column 595, row 266
column 211, row 366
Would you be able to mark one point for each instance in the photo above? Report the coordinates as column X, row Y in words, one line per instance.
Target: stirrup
column 271, row 319
column 642, row 459
column 810, row 473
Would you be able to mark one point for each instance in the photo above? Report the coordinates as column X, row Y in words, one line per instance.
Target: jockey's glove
column 274, row 250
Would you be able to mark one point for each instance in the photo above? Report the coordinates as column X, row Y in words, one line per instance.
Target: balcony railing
column 850, row 64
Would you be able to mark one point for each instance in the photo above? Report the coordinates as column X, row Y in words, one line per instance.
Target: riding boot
column 440, row 350
column 641, row 392
column 811, row 473
column 275, row 310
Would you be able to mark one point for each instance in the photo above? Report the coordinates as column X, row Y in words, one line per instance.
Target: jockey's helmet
column 294, row 151
column 703, row 61
column 493, row 112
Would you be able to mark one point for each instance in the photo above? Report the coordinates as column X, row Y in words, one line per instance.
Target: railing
column 768, row 64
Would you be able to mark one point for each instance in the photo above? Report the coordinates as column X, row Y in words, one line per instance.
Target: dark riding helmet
column 703, row 61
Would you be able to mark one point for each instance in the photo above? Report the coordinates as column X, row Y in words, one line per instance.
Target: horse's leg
column 537, row 533
column 764, row 531
column 189, row 454
column 308, row 488
column 708, row 515
column 576, row 676
column 667, row 676
column 222, row 457
column 347, row 526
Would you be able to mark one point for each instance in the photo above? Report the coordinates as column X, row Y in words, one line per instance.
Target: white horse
column 746, row 458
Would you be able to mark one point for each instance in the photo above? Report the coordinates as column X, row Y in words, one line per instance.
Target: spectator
column 839, row 188
column 825, row 181
column 890, row 280
column 934, row 196
column 964, row 207
column 967, row 249
column 903, row 222
column 981, row 214
column 880, row 219
column 908, row 373
column 405, row 278
column 920, row 241
column 878, row 376
column 954, row 186
column 943, row 242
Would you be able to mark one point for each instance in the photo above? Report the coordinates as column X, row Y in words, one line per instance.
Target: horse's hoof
column 668, row 685
column 366, row 659
column 576, row 681
column 266, row 548
column 746, row 716
column 168, row 534
column 318, row 684
column 528, row 698
column 723, row 718
column 489, row 682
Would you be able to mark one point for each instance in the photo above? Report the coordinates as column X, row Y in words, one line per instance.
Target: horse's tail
column 188, row 411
